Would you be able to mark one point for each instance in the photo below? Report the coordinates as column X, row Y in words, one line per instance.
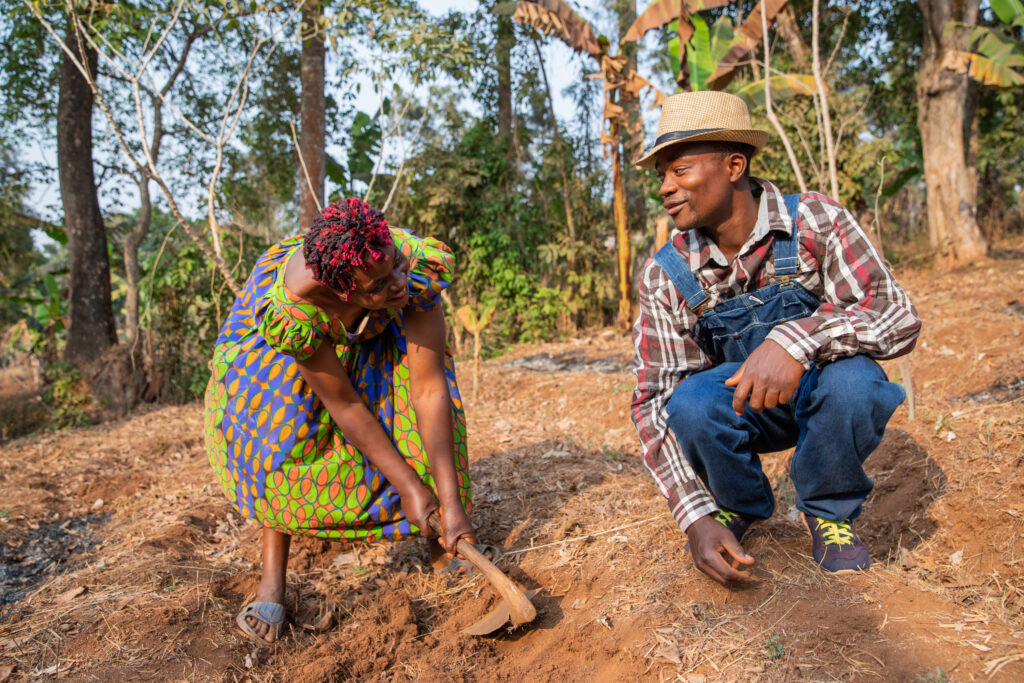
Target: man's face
column 695, row 184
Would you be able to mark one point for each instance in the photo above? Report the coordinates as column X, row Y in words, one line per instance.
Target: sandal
column 270, row 613
column 458, row 565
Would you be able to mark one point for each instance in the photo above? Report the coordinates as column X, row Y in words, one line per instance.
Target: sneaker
column 836, row 547
column 739, row 524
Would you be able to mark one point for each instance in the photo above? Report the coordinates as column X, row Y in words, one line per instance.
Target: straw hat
column 700, row 116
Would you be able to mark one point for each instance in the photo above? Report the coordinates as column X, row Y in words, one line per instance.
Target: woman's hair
column 342, row 238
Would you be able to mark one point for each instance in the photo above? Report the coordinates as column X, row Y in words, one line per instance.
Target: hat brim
column 753, row 137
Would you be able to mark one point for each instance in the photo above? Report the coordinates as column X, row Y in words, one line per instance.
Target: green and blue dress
column 279, row 456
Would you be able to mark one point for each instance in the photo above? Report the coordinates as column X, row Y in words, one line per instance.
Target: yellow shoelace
column 726, row 518
column 835, row 533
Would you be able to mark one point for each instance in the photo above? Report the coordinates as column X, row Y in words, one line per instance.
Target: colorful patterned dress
column 275, row 449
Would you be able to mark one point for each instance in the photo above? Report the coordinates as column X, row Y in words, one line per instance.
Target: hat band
column 683, row 134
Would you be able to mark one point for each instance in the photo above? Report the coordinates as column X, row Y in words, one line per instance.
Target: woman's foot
column 271, row 589
column 273, row 593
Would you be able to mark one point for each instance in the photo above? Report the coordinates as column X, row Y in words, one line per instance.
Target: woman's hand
column 417, row 504
column 455, row 525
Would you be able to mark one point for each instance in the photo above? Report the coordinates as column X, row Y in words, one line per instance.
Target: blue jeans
column 835, row 420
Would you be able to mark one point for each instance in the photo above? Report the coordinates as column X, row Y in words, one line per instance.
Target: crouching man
column 760, row 322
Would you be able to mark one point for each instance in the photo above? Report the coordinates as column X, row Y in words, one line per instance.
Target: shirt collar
column 771, row 215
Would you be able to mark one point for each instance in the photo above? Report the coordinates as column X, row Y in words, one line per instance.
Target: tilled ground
column 121, row 559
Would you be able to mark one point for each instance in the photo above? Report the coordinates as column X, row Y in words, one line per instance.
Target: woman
column 333, row 409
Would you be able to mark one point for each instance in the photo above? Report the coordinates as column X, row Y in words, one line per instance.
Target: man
column 759, row 324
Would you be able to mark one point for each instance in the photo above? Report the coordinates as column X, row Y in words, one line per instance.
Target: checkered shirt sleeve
column 665, row 353
column 863, row 310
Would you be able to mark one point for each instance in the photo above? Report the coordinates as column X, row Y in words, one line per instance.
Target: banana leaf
column 783, row 87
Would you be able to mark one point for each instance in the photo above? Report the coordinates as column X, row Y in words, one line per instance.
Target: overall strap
column 674, row 265
column 785, row 251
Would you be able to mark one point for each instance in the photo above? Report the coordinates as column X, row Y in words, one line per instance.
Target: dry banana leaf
column 662, row 12
column 557, row 18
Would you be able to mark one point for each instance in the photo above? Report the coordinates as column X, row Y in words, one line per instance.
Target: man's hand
column 709, row 541
column 768, row 377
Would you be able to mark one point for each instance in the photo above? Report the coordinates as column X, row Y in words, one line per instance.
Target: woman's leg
column 271, row 589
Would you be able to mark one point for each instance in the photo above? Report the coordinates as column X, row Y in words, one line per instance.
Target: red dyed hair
column 343, row 237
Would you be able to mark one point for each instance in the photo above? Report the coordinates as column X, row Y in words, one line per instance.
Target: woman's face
column 384, row 283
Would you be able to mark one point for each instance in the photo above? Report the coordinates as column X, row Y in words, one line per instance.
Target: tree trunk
column 312, row 117
column 621, row 230
column 505, row 41
column 941, row 116
column 91, row 329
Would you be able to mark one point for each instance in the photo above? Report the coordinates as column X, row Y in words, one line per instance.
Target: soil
column 123, row 561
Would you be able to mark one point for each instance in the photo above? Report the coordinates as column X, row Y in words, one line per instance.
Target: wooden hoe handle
column 520, row 607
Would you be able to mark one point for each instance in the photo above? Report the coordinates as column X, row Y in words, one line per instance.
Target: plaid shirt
column 863, row 310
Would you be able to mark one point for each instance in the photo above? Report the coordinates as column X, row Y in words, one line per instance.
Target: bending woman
column 333, row 409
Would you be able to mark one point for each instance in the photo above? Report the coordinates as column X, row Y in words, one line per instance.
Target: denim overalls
column 835, row 419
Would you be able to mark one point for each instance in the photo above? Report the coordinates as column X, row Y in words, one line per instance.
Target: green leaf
column 699, row 48
column 22, row 299
column 1008, row 10
column 722, row 35
column 783, row 87
column 673, row 49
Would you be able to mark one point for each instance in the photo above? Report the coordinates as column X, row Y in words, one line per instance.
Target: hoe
column 514, row 606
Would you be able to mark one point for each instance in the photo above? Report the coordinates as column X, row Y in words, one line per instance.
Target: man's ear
column 737, row 165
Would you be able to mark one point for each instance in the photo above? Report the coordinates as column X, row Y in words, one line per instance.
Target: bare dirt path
column 122, row 561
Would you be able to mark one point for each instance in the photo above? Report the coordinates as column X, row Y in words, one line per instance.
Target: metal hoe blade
column 495, row 619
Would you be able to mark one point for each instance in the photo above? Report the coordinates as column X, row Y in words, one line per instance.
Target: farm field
column 121, row 559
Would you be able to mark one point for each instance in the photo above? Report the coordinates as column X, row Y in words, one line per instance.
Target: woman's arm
column 425, row 338
column 329, row 381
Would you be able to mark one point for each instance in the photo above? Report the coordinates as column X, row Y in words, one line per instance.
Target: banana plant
column 721, row 59
column 556, row 18
column 475, row 322
column 998, row 55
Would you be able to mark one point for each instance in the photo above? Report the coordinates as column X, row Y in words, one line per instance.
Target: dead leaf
column 670, row 652
column 5, row 672
column 325, row 622
column 907, row 559
column 70, row 595
column 14, row 642
column 557, row 18
column 956, row 558
column 345, row 559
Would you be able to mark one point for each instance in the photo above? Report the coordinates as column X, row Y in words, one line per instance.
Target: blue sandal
column 270, row 613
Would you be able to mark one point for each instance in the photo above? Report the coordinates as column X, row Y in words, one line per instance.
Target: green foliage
column 68, row 397
column 774, row 647
column 937, row 676
column 184, row 304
